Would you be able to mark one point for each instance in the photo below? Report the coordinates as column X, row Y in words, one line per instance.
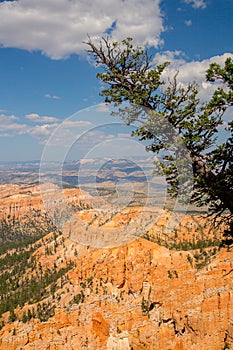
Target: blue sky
column 45, row 76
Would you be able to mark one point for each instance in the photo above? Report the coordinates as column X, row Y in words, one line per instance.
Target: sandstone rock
column 136, row 295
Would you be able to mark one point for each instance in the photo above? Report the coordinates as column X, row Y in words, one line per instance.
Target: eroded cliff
column 135, row 295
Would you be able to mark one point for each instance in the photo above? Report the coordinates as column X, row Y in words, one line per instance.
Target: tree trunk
column 211, row 181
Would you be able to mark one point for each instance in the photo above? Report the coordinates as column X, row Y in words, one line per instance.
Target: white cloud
column 190, row 71
column 65, row 131
column 5, row 119
column 69, row 123
column 194, row 71
column 103, row 107
column 177, row 58
column 188, row 23
column 40, row 131
column 53, row 97
column 6, row 135
column 196, row 4
column 59, row 27
column 11, row 126
column 124, row 135
column 41, row 119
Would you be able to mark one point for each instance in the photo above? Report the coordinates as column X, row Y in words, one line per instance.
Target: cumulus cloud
column 196, row 4
column 53, row 97
column 194, row 71
column 41, row 119
column 190, row 71
column 13, row 126
column 176, row 58
column 103, row 107
column 42, row 128
column 59, row 27
column 188, row 23
column 39, row 131
column 69, row 123
column 5, row 119
column 124, row 135
column 9, row 126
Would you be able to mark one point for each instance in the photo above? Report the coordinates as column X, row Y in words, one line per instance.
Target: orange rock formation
column 137, row 295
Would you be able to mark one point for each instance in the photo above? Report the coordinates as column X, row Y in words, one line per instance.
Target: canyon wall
column 134, row 295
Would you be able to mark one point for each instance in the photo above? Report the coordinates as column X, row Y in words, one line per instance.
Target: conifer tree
column 168, row 115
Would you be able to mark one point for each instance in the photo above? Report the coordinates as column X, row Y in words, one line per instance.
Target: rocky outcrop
column 88, row 221
column 136, row 294
column 16, row 200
